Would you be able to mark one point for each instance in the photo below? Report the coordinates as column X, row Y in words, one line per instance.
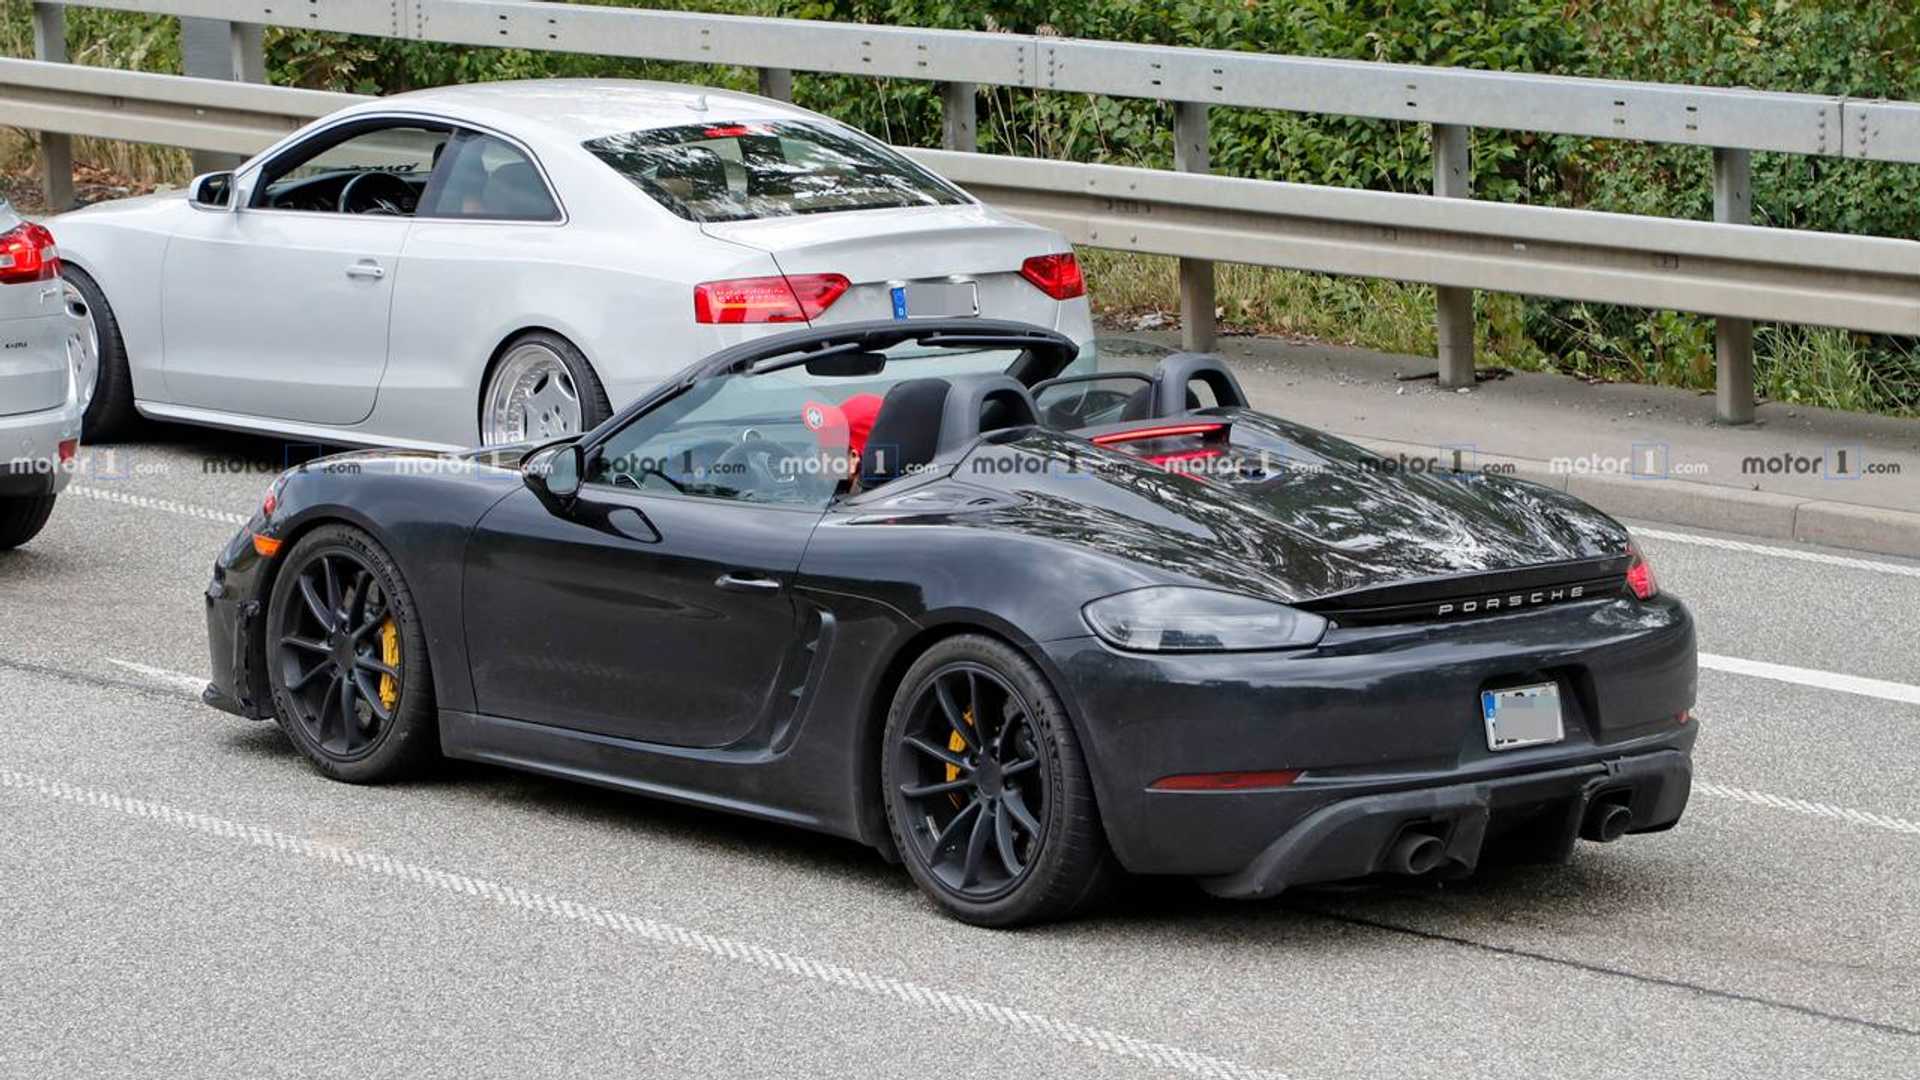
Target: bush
column 1869, row 50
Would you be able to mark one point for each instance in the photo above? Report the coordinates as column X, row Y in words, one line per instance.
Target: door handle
column 366, row 270
column 738, row 583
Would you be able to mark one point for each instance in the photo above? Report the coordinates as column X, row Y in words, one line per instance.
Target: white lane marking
column 919, row 997
column 172, row 680
column 1824, row 680
column 1901, row 569
column 1814, row 809
column 165, row 505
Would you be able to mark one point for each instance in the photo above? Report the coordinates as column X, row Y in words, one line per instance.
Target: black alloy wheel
column 987, row 793
column 345, row 652
column 971, row 780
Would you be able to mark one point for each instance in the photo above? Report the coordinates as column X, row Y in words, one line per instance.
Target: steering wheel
column 377, row 193
column 752, row 459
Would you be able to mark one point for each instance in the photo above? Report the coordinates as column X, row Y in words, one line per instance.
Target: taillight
column 68, row 449
column 27, row 254
column 1056, row 275
column 1640, row 574
column 798, row 298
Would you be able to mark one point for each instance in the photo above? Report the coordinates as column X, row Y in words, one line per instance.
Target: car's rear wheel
column 987, row 793
column 21, row 519
column 347, row 659
column 540, row 387
column 108, row 388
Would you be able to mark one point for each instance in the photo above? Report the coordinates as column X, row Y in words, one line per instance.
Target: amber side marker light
column 1226, row 781
column 265, row 546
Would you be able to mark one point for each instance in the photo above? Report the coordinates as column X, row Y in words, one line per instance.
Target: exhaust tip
column 1415, row 853
column 1606, row 823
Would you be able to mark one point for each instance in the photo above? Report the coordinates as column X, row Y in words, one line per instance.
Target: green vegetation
column 1850, row 47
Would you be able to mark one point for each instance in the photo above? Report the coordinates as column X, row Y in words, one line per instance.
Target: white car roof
column 582, row 109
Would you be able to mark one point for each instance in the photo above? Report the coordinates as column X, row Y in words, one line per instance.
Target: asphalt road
column 180, row 895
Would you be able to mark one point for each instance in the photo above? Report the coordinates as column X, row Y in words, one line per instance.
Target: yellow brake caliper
column 390, row 656
column 959, row 746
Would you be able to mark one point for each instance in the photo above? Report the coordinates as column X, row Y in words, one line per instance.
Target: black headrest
column 1140, row 404
column 982, row 403
column 920, row 419
column 906, row 430
column 1173, row 383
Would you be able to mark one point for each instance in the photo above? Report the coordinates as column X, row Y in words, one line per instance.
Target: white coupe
column 510, row 261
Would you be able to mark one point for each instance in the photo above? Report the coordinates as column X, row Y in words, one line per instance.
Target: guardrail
column 1731, row 269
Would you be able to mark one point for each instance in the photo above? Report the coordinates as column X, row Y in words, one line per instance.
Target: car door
column 278, row 308
column 657, row 605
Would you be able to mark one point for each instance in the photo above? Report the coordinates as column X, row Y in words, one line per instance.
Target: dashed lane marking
column 919, row 997
column 1812, row 809
column 146, row 502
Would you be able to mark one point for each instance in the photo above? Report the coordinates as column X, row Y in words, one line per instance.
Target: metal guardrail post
column 219, row 49
column 56, row 150
column 776, row 83
column 1453, row 179
column 1733, row 338
column 959, row 116
column 1193, row 152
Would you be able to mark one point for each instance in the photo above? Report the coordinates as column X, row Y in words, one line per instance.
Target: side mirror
column 554, row 473
column 211, row 191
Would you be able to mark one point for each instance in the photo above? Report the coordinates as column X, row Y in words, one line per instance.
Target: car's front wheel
column 21, row 519
column 987, row 793
column 347, row 659
column 540, row 387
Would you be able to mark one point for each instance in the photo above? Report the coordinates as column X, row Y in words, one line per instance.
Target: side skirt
column 604, row 761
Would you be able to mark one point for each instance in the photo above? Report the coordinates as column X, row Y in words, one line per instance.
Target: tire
column 308, row 707
column 1065, row 866
column 110, row 415
column 580, row 385
column 22, row 518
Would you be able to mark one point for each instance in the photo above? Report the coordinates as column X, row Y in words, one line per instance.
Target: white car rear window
column 761, row 169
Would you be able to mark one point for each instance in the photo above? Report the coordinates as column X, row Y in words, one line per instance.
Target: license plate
column 1522, row 716
column 936, row 300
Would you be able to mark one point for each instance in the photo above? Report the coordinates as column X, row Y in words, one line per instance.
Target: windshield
column 770, row 168
column 788, row 436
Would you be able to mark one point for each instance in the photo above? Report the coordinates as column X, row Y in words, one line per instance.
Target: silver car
column 48, row 356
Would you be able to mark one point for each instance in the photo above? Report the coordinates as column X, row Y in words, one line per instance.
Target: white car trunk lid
column 877, row 249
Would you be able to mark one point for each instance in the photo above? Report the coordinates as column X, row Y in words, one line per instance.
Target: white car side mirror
column 211, row 191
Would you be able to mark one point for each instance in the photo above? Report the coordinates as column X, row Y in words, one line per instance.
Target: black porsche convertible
column 1020, row 626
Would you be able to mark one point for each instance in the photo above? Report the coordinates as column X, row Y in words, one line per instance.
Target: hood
column 1322, row 519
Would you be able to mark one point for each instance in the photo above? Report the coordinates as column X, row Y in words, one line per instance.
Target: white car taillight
column 27, row 254
column 797, row 299
column 1056, row 275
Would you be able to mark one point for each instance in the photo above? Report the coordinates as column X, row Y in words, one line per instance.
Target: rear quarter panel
column 122, row 245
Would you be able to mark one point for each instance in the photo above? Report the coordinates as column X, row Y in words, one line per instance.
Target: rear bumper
column 30, row 450
column 1369, row 717
column 1354, row 837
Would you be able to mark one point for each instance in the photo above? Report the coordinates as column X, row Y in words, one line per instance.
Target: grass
column 1387, row 316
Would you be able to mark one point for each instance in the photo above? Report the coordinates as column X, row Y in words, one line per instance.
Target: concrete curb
column 1708, row 506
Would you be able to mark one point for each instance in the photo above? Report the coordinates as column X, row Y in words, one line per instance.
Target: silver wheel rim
column 530, row 398
column 83, row 346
